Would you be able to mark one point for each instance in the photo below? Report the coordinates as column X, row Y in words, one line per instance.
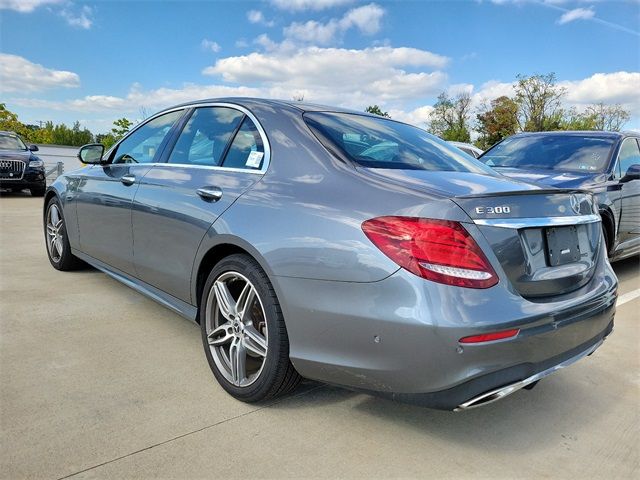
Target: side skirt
column 186, row 310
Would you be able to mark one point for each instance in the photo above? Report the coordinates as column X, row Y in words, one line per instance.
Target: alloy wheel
column 55, row 233
column 236, row 329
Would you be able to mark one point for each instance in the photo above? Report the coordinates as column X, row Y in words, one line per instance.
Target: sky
column 96, row 61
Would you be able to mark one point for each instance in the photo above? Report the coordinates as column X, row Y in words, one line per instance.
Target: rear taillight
column 437, row 250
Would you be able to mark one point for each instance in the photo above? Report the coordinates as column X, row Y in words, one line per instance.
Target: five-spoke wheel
column 55, row 235
column 243, row 331
column 236, row 328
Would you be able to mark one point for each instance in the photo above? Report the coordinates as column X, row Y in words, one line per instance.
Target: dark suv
column 606, row 163
column 19, row 167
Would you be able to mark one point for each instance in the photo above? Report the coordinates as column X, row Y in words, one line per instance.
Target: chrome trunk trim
column 518, row 223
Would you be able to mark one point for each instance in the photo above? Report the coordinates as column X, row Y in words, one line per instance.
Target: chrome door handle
column 210, row 194
column 128, row 179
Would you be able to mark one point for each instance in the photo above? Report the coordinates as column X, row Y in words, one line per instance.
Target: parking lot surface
column 97, row 381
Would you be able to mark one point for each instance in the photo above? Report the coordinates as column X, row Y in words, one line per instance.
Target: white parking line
column 627, row 297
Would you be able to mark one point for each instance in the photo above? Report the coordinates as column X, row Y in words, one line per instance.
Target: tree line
column 61, row 134
column 535, row 106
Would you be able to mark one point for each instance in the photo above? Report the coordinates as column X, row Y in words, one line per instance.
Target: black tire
column 38, row 191
column 607, row 240
column 66, row 261
column 277, row 375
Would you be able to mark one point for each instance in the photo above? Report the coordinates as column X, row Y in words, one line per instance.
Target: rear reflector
column 438, row 250
column 490, row 337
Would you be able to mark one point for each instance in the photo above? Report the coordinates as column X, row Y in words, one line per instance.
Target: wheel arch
column 608, row 225
column 208, row 256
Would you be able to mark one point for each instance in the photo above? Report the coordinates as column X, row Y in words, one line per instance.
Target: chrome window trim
column 537, row 222
column 265, row 140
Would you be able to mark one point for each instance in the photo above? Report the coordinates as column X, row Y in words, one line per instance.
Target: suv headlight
column 36, row 163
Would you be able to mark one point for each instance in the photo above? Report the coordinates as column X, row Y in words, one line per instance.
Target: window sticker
column 254, row 159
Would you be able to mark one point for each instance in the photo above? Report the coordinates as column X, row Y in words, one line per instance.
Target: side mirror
column 33, row 148
column 91, row 153
column 632, row 173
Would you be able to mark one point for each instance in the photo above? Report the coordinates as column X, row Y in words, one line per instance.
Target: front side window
column 9, row 142
column 205, row 136
column 629, row 155
column 570, row 153
column 382, row 143
column 142, row 145
column 247, row 149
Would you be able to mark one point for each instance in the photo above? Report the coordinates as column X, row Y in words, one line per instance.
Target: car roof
column 8, row 134
column 463, row 144
column 267, row 102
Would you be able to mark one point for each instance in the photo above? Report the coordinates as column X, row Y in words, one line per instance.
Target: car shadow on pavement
column 517, row 423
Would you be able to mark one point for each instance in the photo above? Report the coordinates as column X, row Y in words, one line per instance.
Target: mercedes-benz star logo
column 575, row 204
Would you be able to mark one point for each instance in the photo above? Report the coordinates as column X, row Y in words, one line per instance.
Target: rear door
column 218, row 155
column 105, row 193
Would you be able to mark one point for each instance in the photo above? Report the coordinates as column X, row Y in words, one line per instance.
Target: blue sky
column 65, row 60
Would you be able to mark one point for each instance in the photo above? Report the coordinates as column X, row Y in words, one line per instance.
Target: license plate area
column 563, row 245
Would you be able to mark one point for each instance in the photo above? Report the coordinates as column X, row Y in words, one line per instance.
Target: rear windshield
column 381, row 143
column 571, row 153
column 9, row 142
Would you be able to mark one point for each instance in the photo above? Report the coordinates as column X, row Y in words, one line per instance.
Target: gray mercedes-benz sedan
column 317, row 242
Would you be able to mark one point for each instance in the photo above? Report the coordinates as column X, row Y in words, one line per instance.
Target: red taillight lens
column 490, row 337
column 437, row 250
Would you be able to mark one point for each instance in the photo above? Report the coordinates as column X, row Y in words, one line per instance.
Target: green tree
column 121, row 127
column 539, row 102
column 496, row 120
column 608, row 117
column 449, row 118
column 376, row 110
column 9, row 122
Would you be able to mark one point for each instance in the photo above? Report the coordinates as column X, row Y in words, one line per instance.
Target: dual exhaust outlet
column 529, row 382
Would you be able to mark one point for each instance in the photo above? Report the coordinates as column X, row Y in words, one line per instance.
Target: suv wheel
column 243, row 331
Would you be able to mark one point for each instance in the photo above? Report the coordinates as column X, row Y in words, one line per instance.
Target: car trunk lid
column 547, row 241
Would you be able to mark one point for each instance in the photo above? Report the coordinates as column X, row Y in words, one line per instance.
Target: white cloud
column 17, row 74
column 337, row 75
column 615, row 87
column 210, row 45
column 25, row 6
column 81, row 19
column 366, row 19
column 256, row 16
column 298, row 5
column 576, row 14
column 418, row 116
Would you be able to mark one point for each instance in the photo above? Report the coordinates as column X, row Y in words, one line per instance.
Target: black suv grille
column 11, row 169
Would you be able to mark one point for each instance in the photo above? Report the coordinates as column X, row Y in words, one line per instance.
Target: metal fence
column 54, row 172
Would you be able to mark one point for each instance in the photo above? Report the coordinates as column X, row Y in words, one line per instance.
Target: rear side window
column 247, row 149
column 205, row 136
column 381, row 143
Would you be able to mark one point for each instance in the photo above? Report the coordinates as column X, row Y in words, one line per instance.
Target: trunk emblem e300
column 501, row 210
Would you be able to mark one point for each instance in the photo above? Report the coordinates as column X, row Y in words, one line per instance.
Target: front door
column 105, row 193
column 629, row 226
column 218, row 155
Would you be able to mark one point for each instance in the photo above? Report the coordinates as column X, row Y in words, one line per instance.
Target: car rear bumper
column 499, row 384
column 399, row 337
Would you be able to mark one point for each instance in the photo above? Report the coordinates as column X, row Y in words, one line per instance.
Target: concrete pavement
column 97, row 381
